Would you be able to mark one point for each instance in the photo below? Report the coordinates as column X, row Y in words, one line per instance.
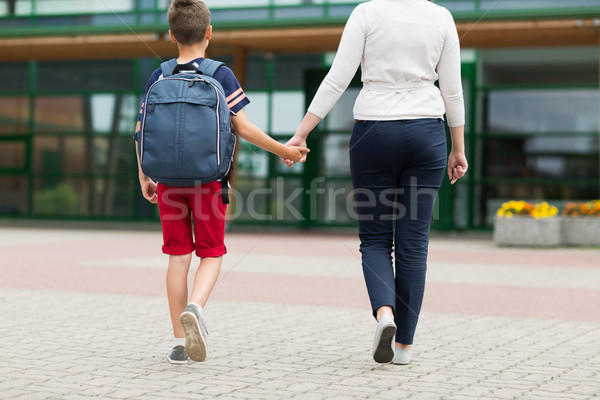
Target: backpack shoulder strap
column 167, row 67
column 209, row 67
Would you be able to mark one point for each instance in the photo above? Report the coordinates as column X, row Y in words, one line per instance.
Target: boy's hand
column 149, row 190
column 294, row 154
column 295, row 141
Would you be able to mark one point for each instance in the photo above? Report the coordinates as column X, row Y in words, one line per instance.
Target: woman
column 398, row 148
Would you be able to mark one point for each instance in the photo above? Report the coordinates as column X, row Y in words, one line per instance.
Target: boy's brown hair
column 188, row 20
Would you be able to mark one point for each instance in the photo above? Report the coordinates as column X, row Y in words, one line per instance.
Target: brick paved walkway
column 83, row 314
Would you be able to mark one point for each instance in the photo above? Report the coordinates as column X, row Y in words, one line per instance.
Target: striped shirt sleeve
column 236, row 97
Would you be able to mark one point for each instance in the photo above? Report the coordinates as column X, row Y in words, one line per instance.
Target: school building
column 73, row 72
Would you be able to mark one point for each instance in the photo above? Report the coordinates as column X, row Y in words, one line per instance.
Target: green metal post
column 472, row 142
column 32, row 72
column 271, row 159
column 271, row 10
column 32, row 13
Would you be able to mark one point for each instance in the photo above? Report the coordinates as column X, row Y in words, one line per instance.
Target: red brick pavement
column 61, row 266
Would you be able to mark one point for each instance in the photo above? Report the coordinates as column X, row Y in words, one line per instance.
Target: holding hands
column 296, row 142
column 309, row 122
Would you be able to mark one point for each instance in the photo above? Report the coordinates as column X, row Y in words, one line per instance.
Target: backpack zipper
column 144, row 121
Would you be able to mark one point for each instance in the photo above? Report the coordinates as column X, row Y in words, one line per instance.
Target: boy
column 190, row 29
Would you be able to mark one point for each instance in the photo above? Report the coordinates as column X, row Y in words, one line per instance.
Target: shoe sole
column 195, row 346
column 384, row 353
column 177, row 362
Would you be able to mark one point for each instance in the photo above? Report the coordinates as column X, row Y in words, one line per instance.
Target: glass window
column 547, row 66
column 146, row 4
column 539, row 157
column 113, row 113
column 128, row 114
column 286, row 201
column 99, row 76
column 288, row 111
column 57, row 155
column 14, row 115
column 14, row 199
column 48, row 7
column 531, row 4
column 258, row 109
column 112, row 197
column 297, row 12
column 103, row 112
column 55, row 197
column 531, row 111
column 83, row 197
column 467, row 93
column 289, row 70
column 341, row 116
column 251, row 161
column 146, row 67
column 114, row 155
column 14, row 77
column 256, row 73
column 12, row 155
column 235, row 3
column 251, row 199
column 15, row 7
column 59, row 114
column 336, row 155
column 336, row 205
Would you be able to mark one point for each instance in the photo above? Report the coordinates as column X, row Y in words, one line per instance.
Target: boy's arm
column 253, row 134
column 148, row 186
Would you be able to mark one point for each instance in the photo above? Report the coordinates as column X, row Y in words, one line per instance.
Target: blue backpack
column 186, row 137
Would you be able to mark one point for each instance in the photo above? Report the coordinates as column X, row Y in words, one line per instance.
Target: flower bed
column 520, row 223
column 581, row 224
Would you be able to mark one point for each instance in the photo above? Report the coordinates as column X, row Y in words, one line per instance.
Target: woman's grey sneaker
column 195, row 333
column 402, row 357
column 383, row 342
column 177, row 355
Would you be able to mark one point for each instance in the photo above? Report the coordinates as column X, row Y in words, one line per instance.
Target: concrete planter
column 527, row 231
column 581, row 231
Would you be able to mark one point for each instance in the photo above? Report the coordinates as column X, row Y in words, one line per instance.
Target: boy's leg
column 191, row 319
column 205, row 279
column 174, row 207
column 177, row 291
column 208, row 212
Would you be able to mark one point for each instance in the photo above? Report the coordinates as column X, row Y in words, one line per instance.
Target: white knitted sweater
column 404, row 46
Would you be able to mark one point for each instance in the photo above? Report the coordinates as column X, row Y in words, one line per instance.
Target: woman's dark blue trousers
column 397, row 168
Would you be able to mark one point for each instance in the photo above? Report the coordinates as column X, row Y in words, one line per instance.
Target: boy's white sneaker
column 195, row 333
column 383, row 342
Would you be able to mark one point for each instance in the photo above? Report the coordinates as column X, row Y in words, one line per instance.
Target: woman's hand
column 457, row 166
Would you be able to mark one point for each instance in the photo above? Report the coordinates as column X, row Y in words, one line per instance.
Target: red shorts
column 206, row 207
